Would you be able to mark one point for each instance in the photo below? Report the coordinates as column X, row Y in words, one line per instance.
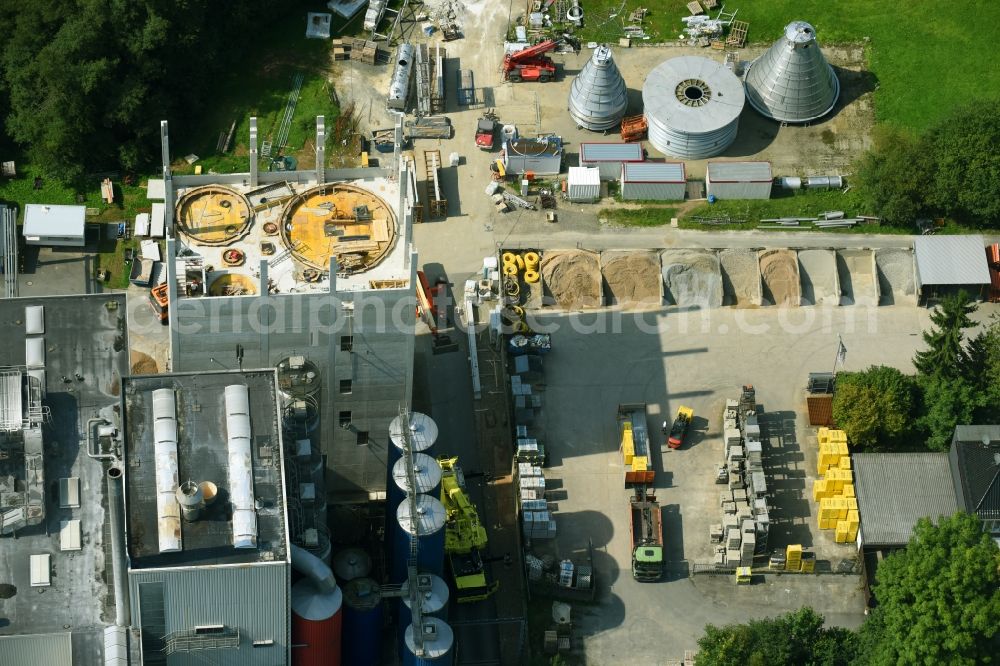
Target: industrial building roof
column 976, row 468
column 739, row 172
column 204, row 452
column 42, row 220
column 584, row 176
column 654, row 172
column 894, row 490
column 954, row 260
column 610, row 152
column 86, row 355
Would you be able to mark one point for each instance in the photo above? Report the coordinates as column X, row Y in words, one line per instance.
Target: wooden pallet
column 737, row 34
column 695, row 8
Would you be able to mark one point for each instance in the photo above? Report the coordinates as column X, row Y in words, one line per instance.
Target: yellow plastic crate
column 841, row 447
column 628, row 445
column 793, row 551
column 852, row 534
column 823, row 434
column 842, row 532
column 819, row 490
column 793, row 565
column 808, row 563
column 838, row 483
column 845, row 462
column 837, row 436
column 848, row 490
column 852, row 503
column 853, row 516
column 827, row 523
column 840, row 505
column 640, row 463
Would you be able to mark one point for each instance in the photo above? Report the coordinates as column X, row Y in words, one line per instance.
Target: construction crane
column 531, row 64
column 464, row 537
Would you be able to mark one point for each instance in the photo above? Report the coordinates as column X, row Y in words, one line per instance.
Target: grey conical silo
column 792, row 82
column 597, row 98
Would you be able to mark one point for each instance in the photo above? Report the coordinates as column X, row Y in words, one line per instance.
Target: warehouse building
column 62, row 367
column 738, row 180
column 653, row 181
column 609, row 157
column 312, row 272
column 975, row 469
column 206, row 518
column 949, row 264
column 49, row 224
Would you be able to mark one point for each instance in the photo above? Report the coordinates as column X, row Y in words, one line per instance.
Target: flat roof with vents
column 203, row 454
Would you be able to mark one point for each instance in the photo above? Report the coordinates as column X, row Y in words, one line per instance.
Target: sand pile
column 779, row 273
column 856, row 269
column 740, row 277
column 895, row 276
column 572, row 279
column 142, row 364
column 692, row 278
column 818, row 276
column 633, row 278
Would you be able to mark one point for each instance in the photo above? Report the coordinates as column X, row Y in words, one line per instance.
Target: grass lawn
column 638, row 217
column 927, row 56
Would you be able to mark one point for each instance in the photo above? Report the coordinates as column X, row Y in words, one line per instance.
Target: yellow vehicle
column 464, row 537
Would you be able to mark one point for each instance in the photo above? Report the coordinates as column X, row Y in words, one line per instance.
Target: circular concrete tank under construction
column 437, row 644
column 213, row 215
column 597, row 98
column 362, row 644
column 792, row 82
column 428, row 526
column 317, row 619
column 692, row 107
column 233, row 284
column 344, row 222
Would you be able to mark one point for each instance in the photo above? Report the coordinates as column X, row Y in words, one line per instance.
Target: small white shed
column 49, row 224
column 583, row 184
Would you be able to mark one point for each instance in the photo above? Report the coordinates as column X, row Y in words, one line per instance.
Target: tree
column 793, row 638
column 938, row 599
column 875, row 407
column 962, row 146
column 948, row 402
column 892, row 178
column 945, row 354
column 983, row 371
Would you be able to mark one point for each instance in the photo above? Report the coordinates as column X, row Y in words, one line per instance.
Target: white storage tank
column 399, row 87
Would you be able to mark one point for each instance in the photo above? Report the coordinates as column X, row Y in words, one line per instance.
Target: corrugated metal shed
column 951, row 260
column 894, row 490
column 583, row 184
column 661, row 181
column 739, row 180
column 48, row 649
column 609, row 157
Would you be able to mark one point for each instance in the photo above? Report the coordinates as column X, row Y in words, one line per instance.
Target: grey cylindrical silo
column 597, row 98
column 792, row 82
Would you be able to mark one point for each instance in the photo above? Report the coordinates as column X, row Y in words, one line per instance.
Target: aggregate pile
column 740, row 277
column 572, row 279
column 895, row 276
column 856, row 269
column 818, row 275
column 692, row 278
column 632, row 278
column 779, row 272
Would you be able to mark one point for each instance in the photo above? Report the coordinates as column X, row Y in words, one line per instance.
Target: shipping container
column 653, row 181
column 583, row 184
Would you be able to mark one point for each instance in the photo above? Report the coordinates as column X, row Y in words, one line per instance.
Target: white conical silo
column 597, row 98
column 792, row 82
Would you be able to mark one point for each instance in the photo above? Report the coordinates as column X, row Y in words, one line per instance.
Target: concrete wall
column 231, row 596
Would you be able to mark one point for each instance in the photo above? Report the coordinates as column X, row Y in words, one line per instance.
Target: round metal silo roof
column 422, row 431
column 597, row 98
column 792, row 82
column 430, row 516
column 426, row 470
column 692, row 106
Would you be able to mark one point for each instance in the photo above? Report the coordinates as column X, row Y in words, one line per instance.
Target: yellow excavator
column 465, row 537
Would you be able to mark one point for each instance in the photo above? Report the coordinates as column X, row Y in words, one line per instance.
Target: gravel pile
column 740, row 277
column 779, row 273
column 856, row 269
column 692, row 278
column 632, row 279
column 572, row 279
column 895, row 276
column 818, row 276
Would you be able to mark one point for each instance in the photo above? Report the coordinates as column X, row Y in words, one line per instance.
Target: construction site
column 429, row 405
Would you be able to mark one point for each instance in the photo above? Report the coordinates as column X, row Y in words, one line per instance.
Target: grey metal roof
column 976, row 461
column 48, row 649
column 951, row 260
column 52, row 220
column 610, row 152
column 739, row 172
column 792, row 82
column 653, row 172
column 894, row 490
column 598, row 98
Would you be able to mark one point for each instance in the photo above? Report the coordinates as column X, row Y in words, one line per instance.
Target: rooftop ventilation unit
column 240, row 466
column 792, row 82
column 168, row 515
column 597, row 98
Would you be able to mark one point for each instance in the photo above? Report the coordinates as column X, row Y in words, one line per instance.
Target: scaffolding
column 437, row 205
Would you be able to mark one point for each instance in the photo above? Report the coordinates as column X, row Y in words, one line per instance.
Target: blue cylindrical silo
column 428, row 526
column 438, row 644
column 421, row 431
column 428, row 479
column 362, row 628
column 434, row 595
